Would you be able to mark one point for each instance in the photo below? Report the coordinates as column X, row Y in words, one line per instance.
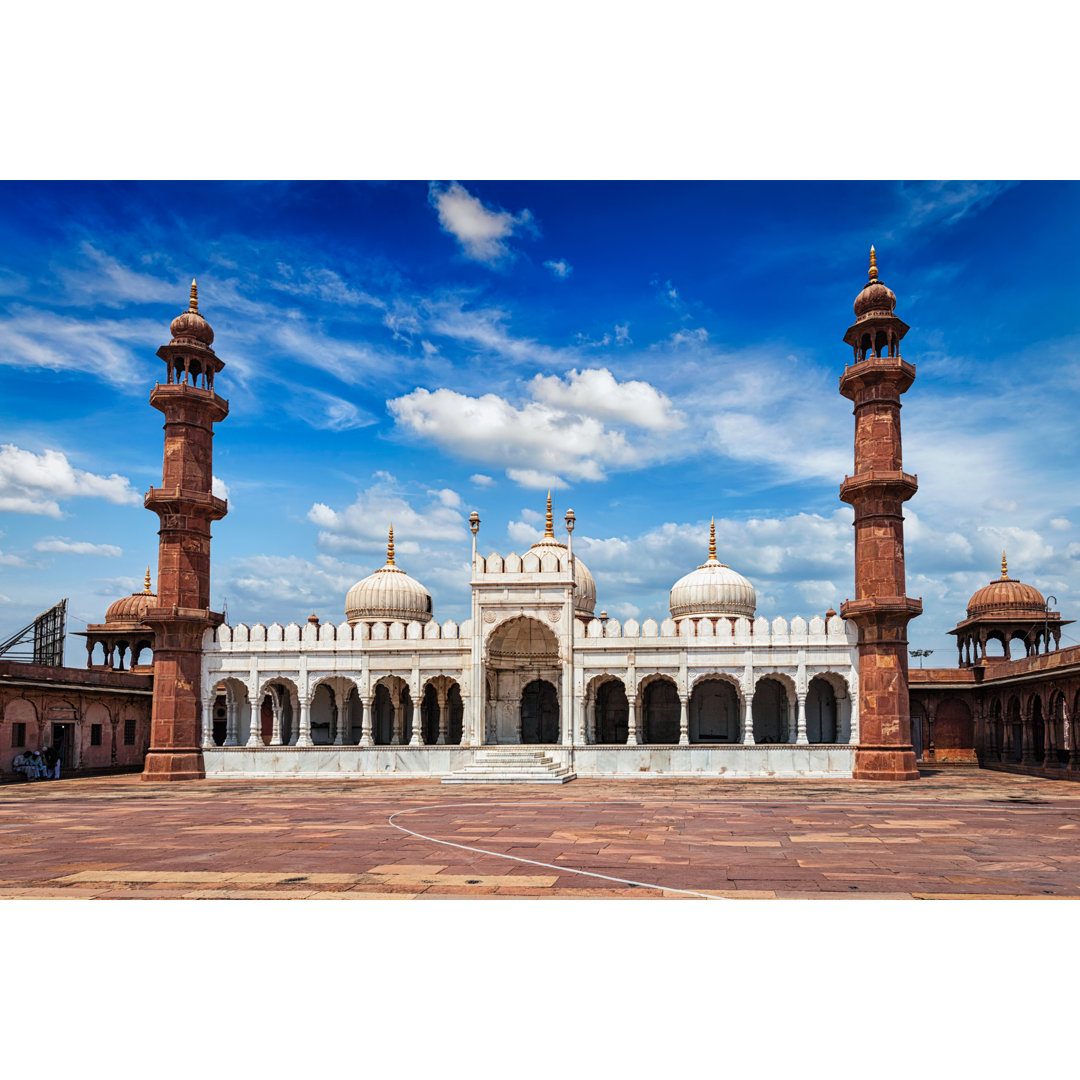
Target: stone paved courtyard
column 955, row 833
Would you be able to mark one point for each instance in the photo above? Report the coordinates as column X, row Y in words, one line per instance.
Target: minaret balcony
column 892, row 482
column 874, row 369
column 185, row 501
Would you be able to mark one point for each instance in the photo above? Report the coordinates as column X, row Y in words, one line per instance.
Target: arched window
column 714, row 712
column 612, row 713
column 769, row 710
column 661, row 713
column 821, row 725
column 539, row 713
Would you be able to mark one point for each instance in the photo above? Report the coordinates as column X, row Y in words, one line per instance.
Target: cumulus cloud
column 61, row 545
column 596, row 392
column 32, row 483
column 480, row 480
column 11, row 560
column 364, row 524
column 482, row 231
column 559, row 267
column 560, row 433
column 218, row 488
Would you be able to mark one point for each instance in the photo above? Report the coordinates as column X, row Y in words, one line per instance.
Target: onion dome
column 876, row 295
column 190, row 326
column 713, row 589
column 388, row 594
column 584, row 584
column 131, row 609
column 1007, row 597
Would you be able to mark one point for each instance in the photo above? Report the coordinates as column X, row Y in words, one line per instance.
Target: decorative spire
column 193, row 304
column 390, row 547
column 549, row 521
column 146, row 583
column 712, row 538
column 873, row 264
column 1004, row 568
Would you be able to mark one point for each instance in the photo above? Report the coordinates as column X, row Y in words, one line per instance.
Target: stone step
column 511, row 765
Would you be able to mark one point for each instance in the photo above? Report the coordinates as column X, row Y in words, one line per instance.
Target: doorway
column 63, row 739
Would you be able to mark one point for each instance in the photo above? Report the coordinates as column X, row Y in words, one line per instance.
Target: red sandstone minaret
column 186, row 507
column 877, row 490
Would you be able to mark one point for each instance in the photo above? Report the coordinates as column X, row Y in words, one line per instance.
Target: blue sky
column 656, row 353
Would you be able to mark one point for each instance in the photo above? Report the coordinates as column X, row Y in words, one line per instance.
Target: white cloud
column 447, row 497
column 622, row 334
column 559, row 267
column 947, row 201
column 1060, row 524
column 562, row 434
column 61, row 545
column 218, row 488
column 11, row 560
column 111, row 349
column 480, row 480
column 534, row 517
column 363, row 525
column 596, row 392
column 481, row 231
column 698, row 336
column 32, row 483
column 107, row 281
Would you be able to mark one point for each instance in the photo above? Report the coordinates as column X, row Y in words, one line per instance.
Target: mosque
column 536, row 685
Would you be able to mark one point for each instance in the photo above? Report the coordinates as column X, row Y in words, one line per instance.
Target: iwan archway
column 523, row 675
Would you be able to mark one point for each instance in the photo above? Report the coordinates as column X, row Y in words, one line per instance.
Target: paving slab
column 953, row 834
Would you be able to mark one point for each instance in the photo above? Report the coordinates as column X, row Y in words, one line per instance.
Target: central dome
column 1007, row 597
column 388, row 594
column 584, row 583
column 713, row 589
column 132, row 609
column 190, row 325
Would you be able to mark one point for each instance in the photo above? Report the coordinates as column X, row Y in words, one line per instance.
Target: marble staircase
column 511, row 765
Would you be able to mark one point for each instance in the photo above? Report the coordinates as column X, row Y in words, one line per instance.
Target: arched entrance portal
column 523, row 674
column 539, row 713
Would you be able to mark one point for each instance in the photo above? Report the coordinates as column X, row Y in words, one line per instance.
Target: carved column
column 276, row 705
column 800, row 729
column 340, row 716
column 294, row 716
column 1027, row 745
column 114, row 723
column 441, row 698
column 684, row 720
column 208, row 721
column 398, row 712
column 631, row 723
column 255, row 733
column 231, row 722
column 416, row 736
column 747, row 722
column 367, row 704
column 304, row 736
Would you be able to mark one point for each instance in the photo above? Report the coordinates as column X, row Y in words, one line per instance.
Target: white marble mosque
column 534, row 685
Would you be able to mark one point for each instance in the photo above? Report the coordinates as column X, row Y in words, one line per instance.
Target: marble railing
column 242, row 637
column 725, row 631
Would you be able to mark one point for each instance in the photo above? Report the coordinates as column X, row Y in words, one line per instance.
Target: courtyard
column 957, row 833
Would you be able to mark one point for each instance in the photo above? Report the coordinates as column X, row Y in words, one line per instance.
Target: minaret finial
column 873, row 263
column 712, row 538
column 390, row 546
column 146, row 583
column 193, row 304
column 549, row 522
column 1004, row 567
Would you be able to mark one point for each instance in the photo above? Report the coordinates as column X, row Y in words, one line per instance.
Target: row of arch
column 112, row 651
column 335, row 714
column 1034, row 731
column 715, row 711
column 998, row 644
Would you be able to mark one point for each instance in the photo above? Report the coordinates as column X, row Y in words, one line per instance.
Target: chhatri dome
column 584, row 585
column 190, row 326
column 876, row 295
column 1007, row 597
column 388, row 594
column 713, row 589
column 131, row 609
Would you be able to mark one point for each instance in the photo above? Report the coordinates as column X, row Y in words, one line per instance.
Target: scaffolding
column 39, row 642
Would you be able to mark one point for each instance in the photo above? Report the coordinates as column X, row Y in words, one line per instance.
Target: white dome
column 389, row 594
column 713, row 589
column 584, row 584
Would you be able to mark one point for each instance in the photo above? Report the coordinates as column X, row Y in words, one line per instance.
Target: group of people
column 39, row 764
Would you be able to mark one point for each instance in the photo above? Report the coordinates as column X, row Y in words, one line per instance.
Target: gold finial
column 873, row 263
column 549, row 522
column 146, row 583
column 390, row 547
column 193, row 305
column 1004, row 568
column 712, row 539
